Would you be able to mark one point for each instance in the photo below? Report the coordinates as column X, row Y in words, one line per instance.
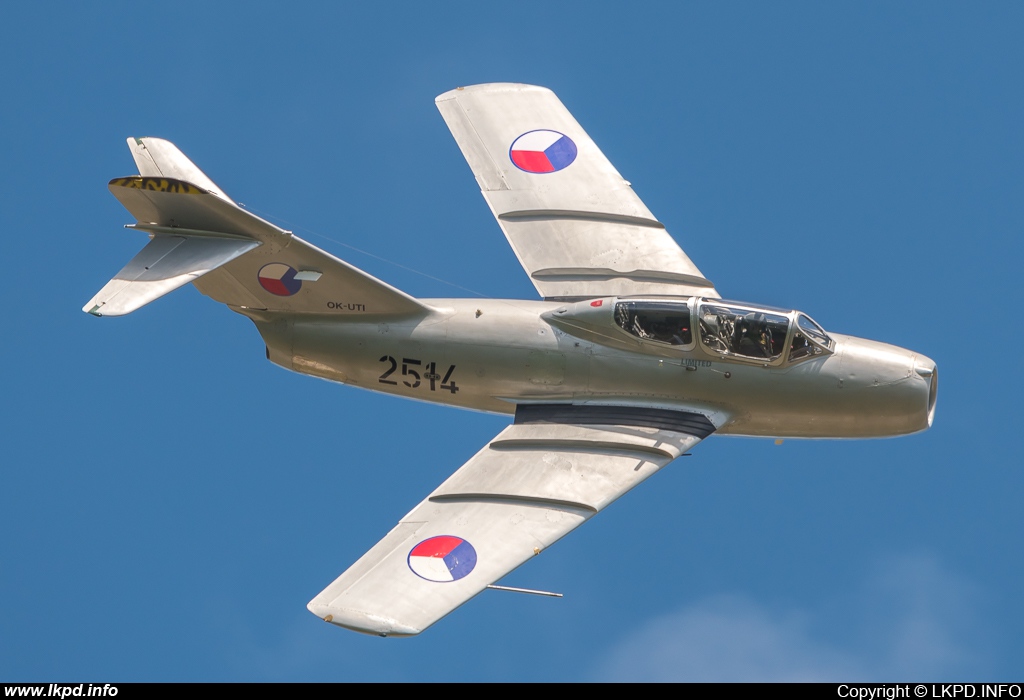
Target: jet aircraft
column 629, row 360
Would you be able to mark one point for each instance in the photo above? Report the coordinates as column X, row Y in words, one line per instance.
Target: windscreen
column 806, row 332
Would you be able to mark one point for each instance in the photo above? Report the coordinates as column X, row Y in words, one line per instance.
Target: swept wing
column 575, row 224
column 540, row 478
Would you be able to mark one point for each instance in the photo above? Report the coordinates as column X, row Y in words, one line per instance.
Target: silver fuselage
column 490, row 355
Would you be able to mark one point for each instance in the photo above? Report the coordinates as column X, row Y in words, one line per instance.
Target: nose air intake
column 933, row 390
column 928, row 371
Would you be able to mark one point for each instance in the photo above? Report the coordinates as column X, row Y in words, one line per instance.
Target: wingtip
column 489, row 87
column 359, row 621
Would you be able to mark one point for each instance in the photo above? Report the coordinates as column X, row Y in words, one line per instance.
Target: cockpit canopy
column 726, row 328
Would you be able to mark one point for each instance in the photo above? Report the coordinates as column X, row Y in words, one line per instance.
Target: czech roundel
column 279, row 279
column 442, row 559
column 542, row 151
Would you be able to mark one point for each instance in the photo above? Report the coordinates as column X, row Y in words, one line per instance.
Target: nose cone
column 892, row 390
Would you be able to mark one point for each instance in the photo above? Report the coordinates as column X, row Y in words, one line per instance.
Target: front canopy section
column 759, row 333
column 755, row 333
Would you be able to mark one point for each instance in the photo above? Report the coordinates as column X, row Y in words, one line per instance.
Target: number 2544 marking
column 408, row 370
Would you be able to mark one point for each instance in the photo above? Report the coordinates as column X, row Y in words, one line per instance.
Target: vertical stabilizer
column 159, row 158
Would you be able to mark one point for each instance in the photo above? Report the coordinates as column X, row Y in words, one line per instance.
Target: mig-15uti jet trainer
column 631, row 358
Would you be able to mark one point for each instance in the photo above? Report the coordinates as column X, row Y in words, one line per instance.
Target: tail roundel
column 198, row 234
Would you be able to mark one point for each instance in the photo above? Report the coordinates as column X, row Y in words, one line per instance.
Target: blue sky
column 173, row 500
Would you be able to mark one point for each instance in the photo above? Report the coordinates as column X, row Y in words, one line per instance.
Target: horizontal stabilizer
column 163, row 201
column 166, row 263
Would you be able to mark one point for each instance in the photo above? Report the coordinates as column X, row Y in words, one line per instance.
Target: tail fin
column 200, row 235
column 159, row 158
